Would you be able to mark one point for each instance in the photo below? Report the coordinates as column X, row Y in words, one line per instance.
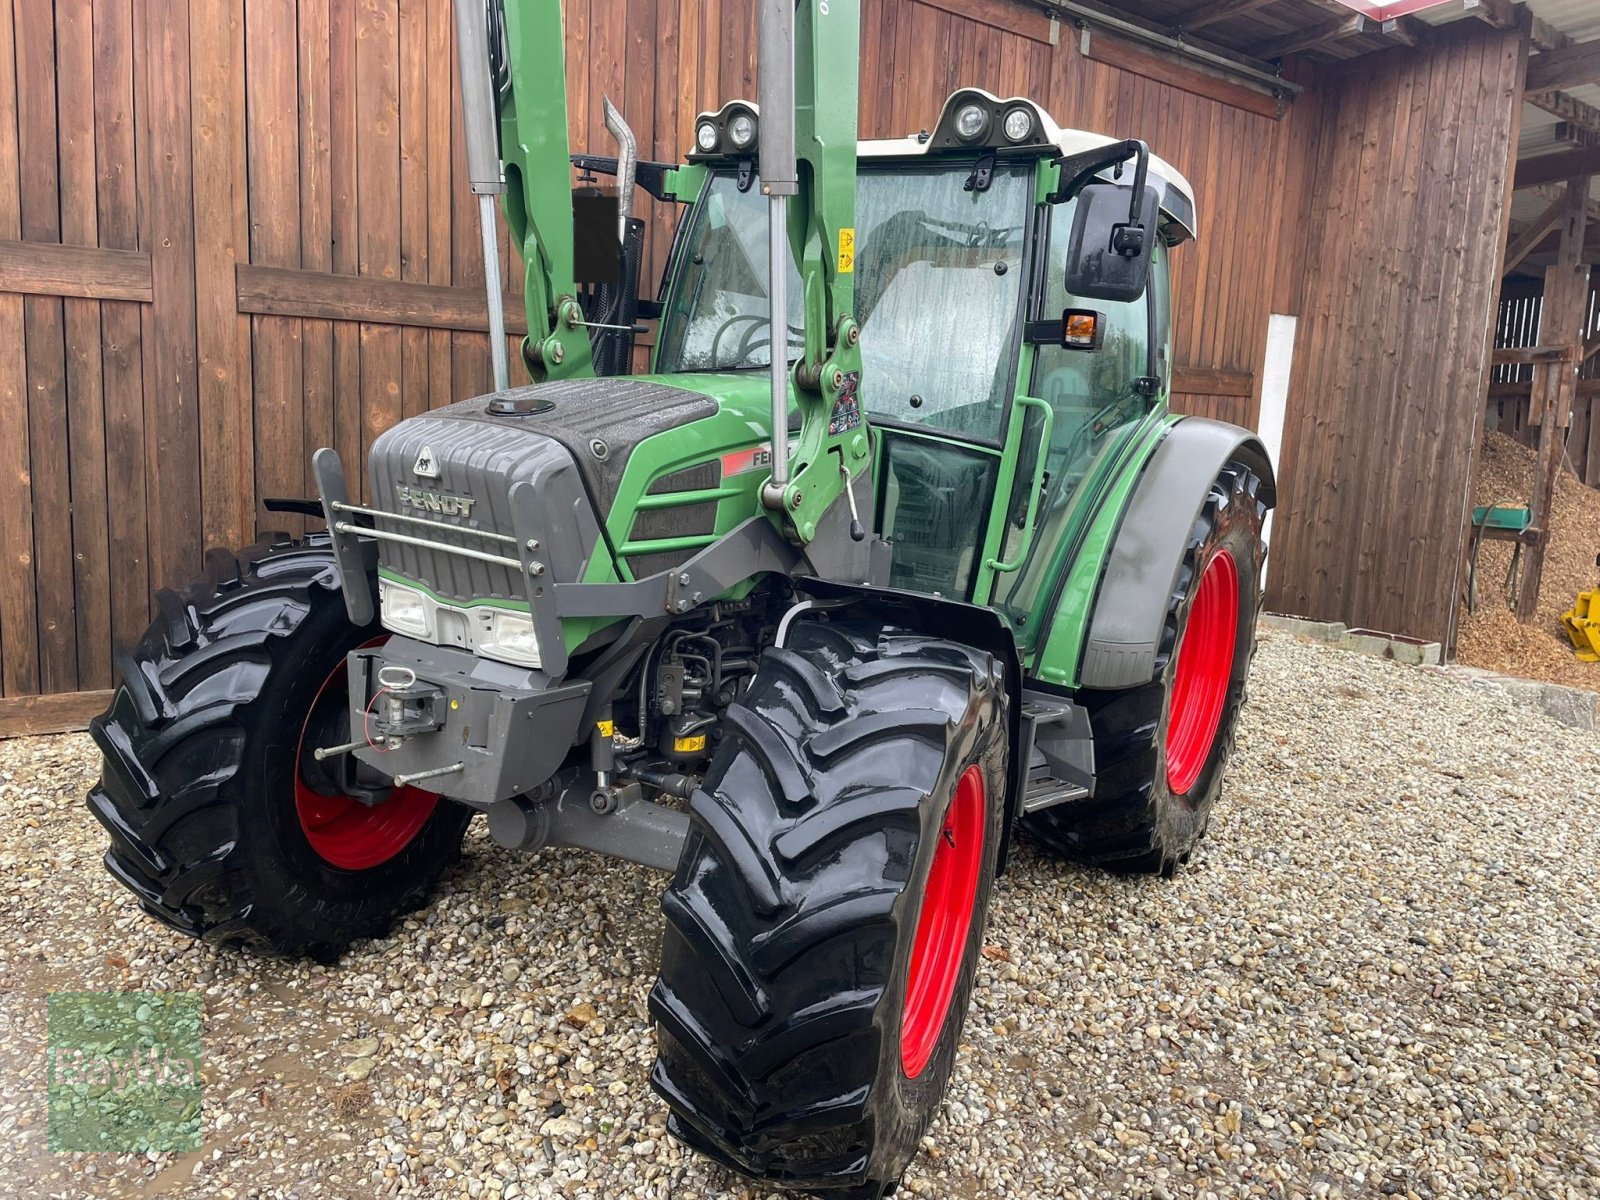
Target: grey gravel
column 1378, row 977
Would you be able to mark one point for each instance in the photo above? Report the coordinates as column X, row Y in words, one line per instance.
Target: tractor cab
column 961, row 296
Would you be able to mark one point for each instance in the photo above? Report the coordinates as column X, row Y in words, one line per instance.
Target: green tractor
column 817, row 631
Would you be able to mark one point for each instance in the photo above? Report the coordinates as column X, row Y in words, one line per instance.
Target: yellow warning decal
column 847, row 251
column 606, row 728
column 689, row 745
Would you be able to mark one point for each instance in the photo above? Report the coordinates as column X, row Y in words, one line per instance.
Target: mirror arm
column 1079, row 169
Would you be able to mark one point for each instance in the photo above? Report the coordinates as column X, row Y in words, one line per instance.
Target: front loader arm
column 538, row 198
column 832, row 446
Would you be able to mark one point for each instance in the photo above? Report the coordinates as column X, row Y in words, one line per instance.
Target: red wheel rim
column 340, row 829
column 943, row 923
column 1205, row 668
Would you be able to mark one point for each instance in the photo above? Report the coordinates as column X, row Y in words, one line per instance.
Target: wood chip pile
column 1492, row 637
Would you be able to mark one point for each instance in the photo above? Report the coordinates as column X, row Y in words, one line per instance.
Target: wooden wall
column 232, row 231
column 1404, row 225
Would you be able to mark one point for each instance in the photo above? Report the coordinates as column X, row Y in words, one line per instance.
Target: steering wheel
column 756, row 319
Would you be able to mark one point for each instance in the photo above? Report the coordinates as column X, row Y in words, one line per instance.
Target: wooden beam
column 1541, row 34
column 1528, row 240
column 1032, row 23
column 44, row 269
column 1554, row 191
column 1402, row 31
column 1209, row 381
column 66, row 712
column 1577, row 136
column 1174, row 72
column 1553, row 168
column 287, row 292
column 1591, row 348
column 1521, row 388
column 1533, row 355
column 1566, row 298
column 1564, row 68
column 1568, row 108
column 1309, row 39
column 1212, row 12
column 1501, row 14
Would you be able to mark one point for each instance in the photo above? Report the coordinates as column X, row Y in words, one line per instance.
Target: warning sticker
column 847, row 409
column 847, row 251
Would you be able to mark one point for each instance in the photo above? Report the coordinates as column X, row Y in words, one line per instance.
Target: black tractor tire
column 1136, row 823
column 201, row 747
column 797, row 901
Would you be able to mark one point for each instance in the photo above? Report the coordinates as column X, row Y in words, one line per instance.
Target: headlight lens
column 511, row 639
column 405, row 610
column 705, row 136
column 742, row 131
column 1018, row 125
column 972, row 122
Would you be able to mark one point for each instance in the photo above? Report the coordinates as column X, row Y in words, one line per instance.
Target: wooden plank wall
column 1407, row 217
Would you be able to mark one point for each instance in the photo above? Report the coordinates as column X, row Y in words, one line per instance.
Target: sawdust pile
column 1492, row 637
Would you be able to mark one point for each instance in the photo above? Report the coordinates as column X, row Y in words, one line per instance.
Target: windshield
column 938, row 292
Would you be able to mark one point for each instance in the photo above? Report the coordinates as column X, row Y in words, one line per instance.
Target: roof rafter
column 1212, row 12
column 1310, row 39
column 1567, row 67
column 1568, row 108
column 1553, row 168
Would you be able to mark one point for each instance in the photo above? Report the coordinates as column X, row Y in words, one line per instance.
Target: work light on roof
column 742, row 131
column 705, row 136
column 972, row 123
column 1018, row 125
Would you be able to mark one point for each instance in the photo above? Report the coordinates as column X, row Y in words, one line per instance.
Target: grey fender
column 1130, row 609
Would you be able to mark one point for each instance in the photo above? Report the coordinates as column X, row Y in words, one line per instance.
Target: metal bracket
column 348, row 550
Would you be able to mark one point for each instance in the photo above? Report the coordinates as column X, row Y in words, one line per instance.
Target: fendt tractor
column 818, row 631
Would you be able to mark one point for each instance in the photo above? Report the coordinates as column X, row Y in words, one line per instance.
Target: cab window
column 938, row 293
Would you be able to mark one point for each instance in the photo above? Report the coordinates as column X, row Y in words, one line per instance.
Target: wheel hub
column 943, row 923
column 1204, row 671
column 341, row 829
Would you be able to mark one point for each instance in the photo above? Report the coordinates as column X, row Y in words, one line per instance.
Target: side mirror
column 1113, row 236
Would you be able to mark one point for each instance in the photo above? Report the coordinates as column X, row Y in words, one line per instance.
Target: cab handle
column 1049, row 425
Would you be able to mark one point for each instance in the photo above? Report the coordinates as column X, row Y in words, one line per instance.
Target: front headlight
column 405, row 610
column 510, row 638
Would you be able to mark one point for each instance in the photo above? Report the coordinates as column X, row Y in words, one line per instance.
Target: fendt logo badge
column 427, row 500
column 427, row 467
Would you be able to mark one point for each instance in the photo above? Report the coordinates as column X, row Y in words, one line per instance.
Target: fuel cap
column 521, row 403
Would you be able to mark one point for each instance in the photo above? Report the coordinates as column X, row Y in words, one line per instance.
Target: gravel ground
column 1378, row 977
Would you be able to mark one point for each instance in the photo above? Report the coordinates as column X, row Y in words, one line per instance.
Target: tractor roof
column 1177, row 196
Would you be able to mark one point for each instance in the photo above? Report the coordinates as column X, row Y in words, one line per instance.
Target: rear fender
column 969, row 624
column 1129, row 613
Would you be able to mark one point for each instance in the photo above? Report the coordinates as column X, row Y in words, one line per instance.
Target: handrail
column 1049, row 420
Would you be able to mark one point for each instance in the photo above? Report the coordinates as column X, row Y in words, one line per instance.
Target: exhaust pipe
column 627, row 166
column 481, row 120
column 779, row 180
